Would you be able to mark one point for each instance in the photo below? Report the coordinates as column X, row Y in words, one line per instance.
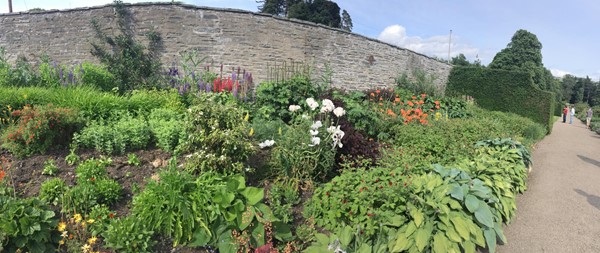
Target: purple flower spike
column 193, row 75
column 207, row 88
column 233, row 76
column 186, row 87
column 235, row 91
column 200, row 85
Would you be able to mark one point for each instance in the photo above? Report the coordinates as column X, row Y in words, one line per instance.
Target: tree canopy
column 324, row 12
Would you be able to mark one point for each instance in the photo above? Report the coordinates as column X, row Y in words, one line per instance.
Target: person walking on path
column 588, row 117
column 572, row 115
column 565, row 111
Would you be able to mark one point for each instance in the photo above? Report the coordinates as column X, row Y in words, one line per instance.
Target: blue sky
column 568, row 30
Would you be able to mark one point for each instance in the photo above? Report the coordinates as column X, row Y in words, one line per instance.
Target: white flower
column 332, row 129
column 337, row 137
column 315, row 141
column 316, row 125
column 294, row 108
column 266, row 143
column 314, row 132
column 312, row 103
column 339, row 111
column 305, row 116
column 327, row 106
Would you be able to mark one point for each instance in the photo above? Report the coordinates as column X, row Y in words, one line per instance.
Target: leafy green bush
column 129, row 235
column 52, row 190
column 39, row 128
column 115, row 136
column 418, row 83
column 167, row 127
column 97, row 76
column 274, row 98
column 93, row 188
column 27, row 225
column 217, row 137
column 50, row 168
column 282, row 197
column 133, row 65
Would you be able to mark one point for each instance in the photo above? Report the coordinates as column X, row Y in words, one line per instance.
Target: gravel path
column 560, row 211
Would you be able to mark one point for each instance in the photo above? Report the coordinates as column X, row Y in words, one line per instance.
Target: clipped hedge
column 501, row 90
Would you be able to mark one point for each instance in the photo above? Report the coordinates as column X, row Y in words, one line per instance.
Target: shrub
column 39, row 128
column 167, row 128
column 274, row 98
column 93, row 188
column 282, row 197
column 50, row 167
column 115, row 136
column 129, row 235
column 27, row 225
column 97, row 76
column 217, row 137
column 133, row 65
column 52, row 191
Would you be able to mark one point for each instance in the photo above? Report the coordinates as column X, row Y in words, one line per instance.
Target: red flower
column 370, row 214
column 2, row 174
column 111, row 215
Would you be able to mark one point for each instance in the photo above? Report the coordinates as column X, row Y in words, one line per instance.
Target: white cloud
column 559, row 73
column 434, row 46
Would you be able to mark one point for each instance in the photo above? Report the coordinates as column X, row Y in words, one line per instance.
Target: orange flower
column 420, row 102
column 377, row 91
column 410, row 103
column 380, row 104
column 423, row 95
column 391, row 113
column 380, row 98
column 437, row 102
column 414, row 97
column 437, row 107
column 372, row 94
column 425, row 115
column 2, row 174
column 397, row 100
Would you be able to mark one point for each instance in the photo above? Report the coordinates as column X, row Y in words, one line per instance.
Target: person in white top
column 572, row 115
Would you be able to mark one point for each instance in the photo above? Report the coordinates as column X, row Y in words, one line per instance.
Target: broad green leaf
column 484, row 215
column 472, row 203
column 417, row 216
column 440, row 243
column 410, row 228
column 253, row 195
column 423, row 236
column 322, row 239
column 200, row 238
column 452, row 235
column 457, row 192
column 401, row 243
column 396, row 221
column 461, row 227
column 490, row 238
column 346, row 236
column 258, row 234
column 316, row 249
column 364, row 248
column 245, row 218
column 226, row 243
column 468, row 246
column 499, row 232
column 266, row 214
column 282, row 231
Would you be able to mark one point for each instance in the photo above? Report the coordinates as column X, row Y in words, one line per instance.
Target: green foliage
column 418, row 83
column 274, row 98
column 132, row 159
column 39, row 128
column 94, row 187
column 362, row 116
column 52, row 190
column 217, row 137
column 50, row 167
column 167, row 126
column 349, row 239
column 282, row 197
column 129, row 235
column 361, row 197
column 27, row 225
column 72, row 158
column 318, row 11
column 115, row 136
column 133, row 65
column 506, row 91
column 89, row 102
column 174, row 205
column 97, row 76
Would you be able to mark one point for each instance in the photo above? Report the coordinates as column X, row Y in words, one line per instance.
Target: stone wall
column 253, row 41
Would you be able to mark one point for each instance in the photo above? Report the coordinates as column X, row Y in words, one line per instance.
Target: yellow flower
column 92, row 240
column 279, row 131
column 77, row 217
column 62, row 226
column 90, row 221
column 247, row 117
column 24, row 96
column 61, row 242
column 251, row 131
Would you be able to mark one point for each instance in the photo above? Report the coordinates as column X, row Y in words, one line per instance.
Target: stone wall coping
column 194, row 7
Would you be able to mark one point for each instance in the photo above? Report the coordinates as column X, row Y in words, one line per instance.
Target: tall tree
column 346, row 21
column 324, row 12
column 523, row 53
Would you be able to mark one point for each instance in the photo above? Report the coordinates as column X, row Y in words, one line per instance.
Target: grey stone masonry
column 252, row 41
